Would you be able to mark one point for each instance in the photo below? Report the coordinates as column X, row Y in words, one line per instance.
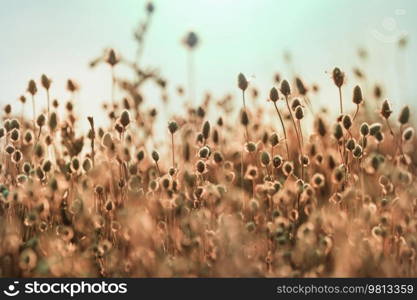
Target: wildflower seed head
column 338, row 131
column 22, row 99
column 150, row 7
column 125, row 118
column 75, row 164
column 299, row 112
column 295, row 103
column 155, row 156
column 9, row 149
column 200, row 166
column 277, row 161
column 2, row 132
column 408, row 134
column 250, row 147
column 72, row 86
column 26, row 168
column 287, row 168
column 244, row 119
column 285, row 88
column 218, row 157
column 47, row 166
column 357, row 95
column 28, row 137
column 111, row 58
column 242, row 82
column 140, row 155
column 87, row 164
column 204, row 152
column 273, row 94
column 386, row 109
column 191, row 40
column 46, row 82
column 304, row 160
column 404, row 115
column 40, row 121
column 14, row 124
column 302, row 90
column 107, row 140
column 338, row 77
column 53, row 121
column 274, row 139
column 379, row 136
column 357, row 151
column 375, row 128
column 364, row 129
column 206, row 130
column 15, row 135
column 350, row 144
column 347, row 122
column 39, row 150
column 32, row 89
column 17, row 156
column 172, row 127
column 251, row 173
column 318, row 180
column 265, row 158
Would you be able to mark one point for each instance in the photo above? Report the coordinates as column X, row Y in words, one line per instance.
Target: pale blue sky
column 60, row 37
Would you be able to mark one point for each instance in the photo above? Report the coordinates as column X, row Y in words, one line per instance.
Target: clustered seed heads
column 316, row 200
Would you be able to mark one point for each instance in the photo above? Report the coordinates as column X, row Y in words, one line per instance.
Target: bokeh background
column 59, row 38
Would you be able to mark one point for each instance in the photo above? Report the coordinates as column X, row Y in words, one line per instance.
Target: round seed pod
column 206, row 130
column 47, row 166
column 15, row 135
column 40, row 121
column 285, row 88
column 375, row 128
column 265, row 158
column 277, row 161
column 357, row 95
column 299, row 113
column 364, row 129
column 111, row 58
column 318, row 180
column 242, row 82
column 404, row 115
column 408, row 134
column 53, row 121
column 386, row 109
column 14, row 124
column 200, row 166
column 32, row 89
column 125, row 118
column 350, row 144
column 191, row 40
column 244, row 119
column 17, row 156
column 338, row 131
column 155, row 156
column 87, row 164
column 140, row 155
column 295, row 103
column 338, row 77
column 379, row 136
column 204, row 152
column 347, row 122
column 302, row 90
column 357, row 151
column 46, row 82
column 287, row 168
column 274, row 139
column 172, row 127
column 218, row 157
column 321, row 127
column 273, row 94
column 26, row 168
column 250, row 147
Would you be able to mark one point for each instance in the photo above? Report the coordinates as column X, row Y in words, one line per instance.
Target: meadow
column 305, row 193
